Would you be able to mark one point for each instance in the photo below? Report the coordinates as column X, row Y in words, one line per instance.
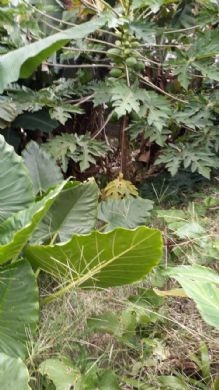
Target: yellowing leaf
column 119, row 189
column 175, row 292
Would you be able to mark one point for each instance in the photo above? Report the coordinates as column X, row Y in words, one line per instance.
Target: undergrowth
column 130, row 335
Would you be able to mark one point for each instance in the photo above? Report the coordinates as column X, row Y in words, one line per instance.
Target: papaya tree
column 147, row 69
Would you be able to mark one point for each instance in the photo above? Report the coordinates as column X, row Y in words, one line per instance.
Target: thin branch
column 183, row 29
column 81, row 100
column 103, row 126
column 124, row 145
column 146, row 81
column 100, row 41
column 107, row 32
column 51, row 17
column 148, row 59
column 89, row 6
column 76, row 66
column 52, row 26
column 84, row 50
column 166, row 46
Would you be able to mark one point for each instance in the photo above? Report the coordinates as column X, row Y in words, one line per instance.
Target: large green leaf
column 39, row 120
column 199, row 284
column 17, row 229
column 13, row 373
column 74, row 211
column 102, row 259
column 43, row 170
column 129, row 212
column 66, row 376
column 8, row 111
column 19, row 308
column 12, row 137
column 23, row 61
column 62, row 372
column 15, row 185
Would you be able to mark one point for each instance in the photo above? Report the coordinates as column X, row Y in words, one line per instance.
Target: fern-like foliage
column 81, row 149
column 187, row 155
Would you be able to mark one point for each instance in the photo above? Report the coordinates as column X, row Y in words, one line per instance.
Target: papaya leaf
column 119, row 189
column 101, row 259
column 124, row 100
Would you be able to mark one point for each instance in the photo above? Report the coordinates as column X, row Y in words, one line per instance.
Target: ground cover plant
column 109, row 123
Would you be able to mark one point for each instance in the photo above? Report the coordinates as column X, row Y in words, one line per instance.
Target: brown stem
column 124, row 145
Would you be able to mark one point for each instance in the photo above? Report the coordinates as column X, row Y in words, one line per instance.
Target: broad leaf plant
column 55, row 232
column 151, row 66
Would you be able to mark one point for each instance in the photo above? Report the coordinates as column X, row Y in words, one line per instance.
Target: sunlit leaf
column 101, row 259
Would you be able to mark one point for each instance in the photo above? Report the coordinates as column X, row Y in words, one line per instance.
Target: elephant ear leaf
column 19, row 308
column 13, row 373
column 128, row 212
column 43, row 170
column 17, row 229
column 23, row 61
column 16, row 191
column 74, row 211
column 200, row 284
column 100, row 259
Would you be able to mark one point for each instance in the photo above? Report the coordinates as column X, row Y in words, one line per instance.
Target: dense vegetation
column 109, row 117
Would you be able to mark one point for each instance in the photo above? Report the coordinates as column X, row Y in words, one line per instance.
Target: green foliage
column 172, row 190
column 74, row 211
column 185, row 227
column 65, row 375
column 129, row 212
column 19, row 305
column 43, row 171
column 195, row 158
column 161, row 72
column 24, row 61
column 122, row 327
column 36, row 120
column 100, row 259
column 16, row 189
column 79, row 148
column 124, row 100
column 200, row 284
column 153, row 67
column 18, row 228
column 83, row 260
column 130, row 325
column 13, row 372
column 8, row 112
